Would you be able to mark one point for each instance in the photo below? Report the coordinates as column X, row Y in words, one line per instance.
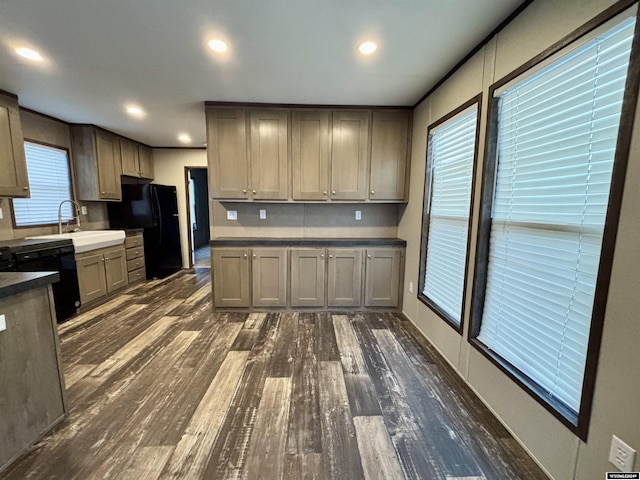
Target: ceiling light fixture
column 135, row 111
column 29, row 54
column 184, row 138
column 217, row 45
column 367, row 48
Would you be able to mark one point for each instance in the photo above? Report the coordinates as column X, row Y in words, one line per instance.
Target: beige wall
column 169, row 165
column 46, row 130
column 617, row 392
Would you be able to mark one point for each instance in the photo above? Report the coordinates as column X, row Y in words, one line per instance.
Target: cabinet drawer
column 134, row 253
column 139, row 274
column 135, row 264
column 133, row 241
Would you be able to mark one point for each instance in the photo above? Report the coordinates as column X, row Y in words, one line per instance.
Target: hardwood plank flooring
column 161, row 387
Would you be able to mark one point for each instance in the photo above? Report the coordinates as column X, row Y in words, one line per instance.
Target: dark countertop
column 307, row 242
column 25, row 245
column 12, row 283
column 129, row 232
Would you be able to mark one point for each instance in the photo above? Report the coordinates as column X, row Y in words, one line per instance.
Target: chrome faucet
column 77, row 217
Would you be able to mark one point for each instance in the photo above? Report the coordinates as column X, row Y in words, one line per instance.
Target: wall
column 617, row 391
column 46, row 130
column 169, row 165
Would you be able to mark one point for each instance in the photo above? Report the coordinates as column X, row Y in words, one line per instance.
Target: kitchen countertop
column 307, row 242
column 23, row 244
column 129, row 232
column 12, row 283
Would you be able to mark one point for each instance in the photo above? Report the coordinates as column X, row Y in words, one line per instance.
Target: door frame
column 187, row 169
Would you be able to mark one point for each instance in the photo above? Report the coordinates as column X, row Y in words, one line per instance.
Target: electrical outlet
column 410, row 287
column 83, row 210
column 358, row 215
column 3, row 323
column 263, row 214
column 232, row 215
column 0, row 213
column 621, row 455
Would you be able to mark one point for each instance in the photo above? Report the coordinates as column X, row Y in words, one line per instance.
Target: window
column 450, row 164
column 555, row 142
column 49, row 183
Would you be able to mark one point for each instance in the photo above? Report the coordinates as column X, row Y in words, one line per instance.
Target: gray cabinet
column 13, row 165
column 137, row 159
column 115, row 266
column 227, row 153
column 269, row 154
column 350, row 155
column 269, row 277
column 145, row 159
column 230, row 270
column 310, row 141
column 101, row 272
column 308, row 266
column 389, row 155
column 344, row 277
column 134, row 248
column 97, row 164
column 382, row 277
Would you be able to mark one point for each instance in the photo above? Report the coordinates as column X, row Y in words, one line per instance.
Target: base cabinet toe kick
column 315, row 274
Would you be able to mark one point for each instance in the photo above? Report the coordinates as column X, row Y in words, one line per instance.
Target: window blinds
column 557, row 132
column 49, row 183
column 451, row 154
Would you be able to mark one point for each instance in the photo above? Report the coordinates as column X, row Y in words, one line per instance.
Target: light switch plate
column 263, row 214
column 3, row 323
column 83, row 210
column 358, row 215
column 410, row 287
column 232, row 215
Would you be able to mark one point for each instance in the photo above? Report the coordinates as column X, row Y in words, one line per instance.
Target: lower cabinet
column 230, row 270
column 269, row 277
column 307, row 277
column 101, row 272
column 345, row 277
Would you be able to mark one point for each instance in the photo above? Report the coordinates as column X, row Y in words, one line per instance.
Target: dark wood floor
column 162, row 388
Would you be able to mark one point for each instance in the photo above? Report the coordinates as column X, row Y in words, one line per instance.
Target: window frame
column 426, row 215
column 579, row 424
column 71, row 186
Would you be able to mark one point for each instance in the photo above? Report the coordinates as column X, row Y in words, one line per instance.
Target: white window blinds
column 49, row 184
column 557, row 132
column 451, row 154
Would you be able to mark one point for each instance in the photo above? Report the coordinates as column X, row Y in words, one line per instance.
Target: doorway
column 198, row 216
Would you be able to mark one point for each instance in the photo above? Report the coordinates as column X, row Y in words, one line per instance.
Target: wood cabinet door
column 108, row 153
column 230, row 267
column 13, row 165
column 269, row 277
column 344, row 277
column 145, row 156
column 382, row 277
column 310, row 154
column 116, row 273
column 350, row 155
column 129, row 157
column 91, row 277
column 227, row 153
column 308, row 277
column 269, row 154
column 389, row 147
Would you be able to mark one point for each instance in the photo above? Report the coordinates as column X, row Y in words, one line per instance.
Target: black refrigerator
column 155, row 209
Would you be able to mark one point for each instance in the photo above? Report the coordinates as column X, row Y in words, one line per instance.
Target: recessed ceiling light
column 135, row 111
column 217, row 45
column 29, row 54
column 184, row 138
column 367, row 48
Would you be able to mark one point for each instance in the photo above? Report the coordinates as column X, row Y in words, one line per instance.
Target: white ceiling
column 101, row 54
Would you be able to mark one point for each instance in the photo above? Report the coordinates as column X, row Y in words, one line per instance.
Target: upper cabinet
column 227, row 153
column 389, row 155
column 13, row 181
column 97, row 164
column 269, row 158
column 350, row 155
column 137, row 159
column 310, row 141
column 308, row 154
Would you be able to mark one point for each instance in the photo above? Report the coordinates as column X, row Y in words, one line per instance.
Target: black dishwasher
column 43, row 258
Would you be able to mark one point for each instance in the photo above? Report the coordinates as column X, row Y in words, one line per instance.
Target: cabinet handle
column 324, row 193
column 106, row 258
column 368, row 256
column 321, row 256
column 102, row 259
column 254, row 255
column 103, row 193
column 333, row 192
column 245, row 255
column 244, row 191
column 254, row 192
column 373, row 192
column 25, row 188
column 330, row 256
